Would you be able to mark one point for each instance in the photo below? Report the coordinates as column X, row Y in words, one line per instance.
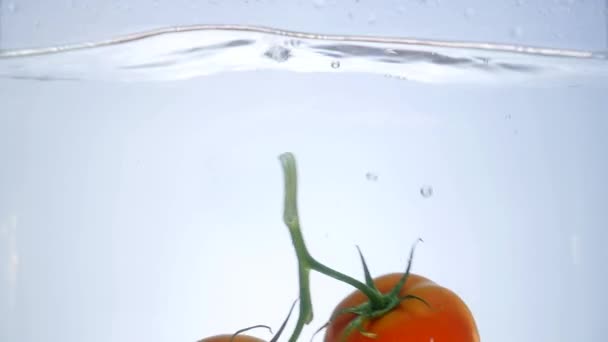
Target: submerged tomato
column 446, row 318
column 226, row 338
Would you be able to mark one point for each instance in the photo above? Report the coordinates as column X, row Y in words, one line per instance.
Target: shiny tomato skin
column 448, row 319
column 226, row 338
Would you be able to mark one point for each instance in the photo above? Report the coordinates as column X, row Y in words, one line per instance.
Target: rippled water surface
column 187, row 52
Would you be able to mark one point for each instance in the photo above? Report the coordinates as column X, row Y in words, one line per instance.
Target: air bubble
column 575, row 249
column 426, row 191
column 372, row 177
column 517, row 31
column 278, row 53
column 390, row 52
column 11, row 7
column 335, row 64
column 319, row 3
column 372, row 19
column 293, row 43
column 397, row 77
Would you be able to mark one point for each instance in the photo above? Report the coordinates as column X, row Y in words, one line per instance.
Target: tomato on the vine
column 397, row 307
column 431, row 313
column 226, row 338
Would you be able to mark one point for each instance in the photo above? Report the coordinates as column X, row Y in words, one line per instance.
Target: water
column 141, row 192
column 187, row 52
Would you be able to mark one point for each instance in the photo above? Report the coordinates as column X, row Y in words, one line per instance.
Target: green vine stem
column 306, row 263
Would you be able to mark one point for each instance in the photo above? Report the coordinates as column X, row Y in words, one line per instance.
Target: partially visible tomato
column 240, row 337
column 226, row 338
column 446, row 318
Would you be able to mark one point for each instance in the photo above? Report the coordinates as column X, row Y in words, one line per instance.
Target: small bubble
column 515, row 132
column 372, row 19
column 335, row 64
column 278, row 53
column 294, row 43
column 508, row 116
column 516, row 31
column 469, row 12
column 351, row 16
column 390, row 52
column 372, row 177
column 397, row 77
column 426, row 191
column 575, row 249
column 319, row 3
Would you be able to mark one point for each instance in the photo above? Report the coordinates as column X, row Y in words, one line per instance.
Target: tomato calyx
column 238, row 332
column 275, row 338
column 378, row 305
column 389, row 301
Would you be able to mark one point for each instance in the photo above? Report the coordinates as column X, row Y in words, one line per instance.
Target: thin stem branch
column 306, row 262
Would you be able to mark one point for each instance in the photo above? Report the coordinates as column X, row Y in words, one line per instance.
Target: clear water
column 141, row 192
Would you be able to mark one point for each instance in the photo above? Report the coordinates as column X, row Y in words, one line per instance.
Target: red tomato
column 246, row 338
column 226, row 338
column 446, row 318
